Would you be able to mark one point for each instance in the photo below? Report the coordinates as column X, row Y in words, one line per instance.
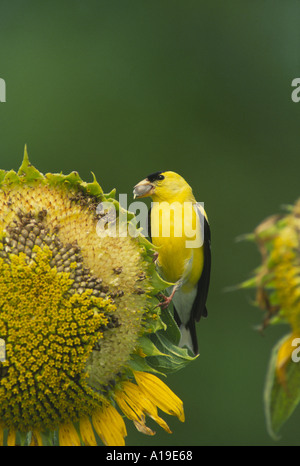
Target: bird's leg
column 167, row 299
column 155, row 256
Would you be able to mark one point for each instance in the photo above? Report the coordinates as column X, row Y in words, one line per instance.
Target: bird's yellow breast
column 176, row 231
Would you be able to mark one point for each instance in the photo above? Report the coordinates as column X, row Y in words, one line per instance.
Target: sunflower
column 83, row 342
column 277, row 283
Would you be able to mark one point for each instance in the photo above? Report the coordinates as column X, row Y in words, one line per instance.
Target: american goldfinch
column 181, row 233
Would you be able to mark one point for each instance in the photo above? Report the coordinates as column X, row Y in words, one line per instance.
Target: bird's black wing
column 199, row 306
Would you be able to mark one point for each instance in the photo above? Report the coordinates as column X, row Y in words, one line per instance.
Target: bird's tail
column 188, row 337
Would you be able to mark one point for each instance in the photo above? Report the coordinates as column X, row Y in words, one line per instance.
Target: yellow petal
column 36, row 439
column 112, row 415
column 283, row 357
column 110, row 426
column 132, row 413
column 161, row 423
column 141, row 427
column 86, row 432
column 68, row 436
column 11, row 438
column 131, row 395
column 1, row 434
column 160, row 394
column 129, row 401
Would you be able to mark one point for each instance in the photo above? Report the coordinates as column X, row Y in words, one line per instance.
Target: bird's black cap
column 155, row 176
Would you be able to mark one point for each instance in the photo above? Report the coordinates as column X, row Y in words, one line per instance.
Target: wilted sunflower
column 277, row 283
column 81, row 334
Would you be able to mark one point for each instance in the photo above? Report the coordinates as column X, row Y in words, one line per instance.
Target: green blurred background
column 125, row 88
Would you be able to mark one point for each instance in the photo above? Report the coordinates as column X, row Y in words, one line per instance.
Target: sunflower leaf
column 172, row 330
column 174, row 358
column 137, row 363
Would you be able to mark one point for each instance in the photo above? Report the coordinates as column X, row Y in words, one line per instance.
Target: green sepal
column 250, row 283
column 158, row 283
column 27, row 171
column 137, row 363
column 148, row 347
column 93, row 188
column 55, row 179
column 23, row 438
column 77, row 428
column 146, row 243
column 279, row 318
column 74, row 180
column 5, row 436
column 155, row 323
column 11, row 178
column 28, row 438
column 111, row 194
column 49, row 438
column 2, row 176
column 280, row 401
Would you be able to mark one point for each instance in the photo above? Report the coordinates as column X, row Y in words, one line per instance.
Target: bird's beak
column 143, row 189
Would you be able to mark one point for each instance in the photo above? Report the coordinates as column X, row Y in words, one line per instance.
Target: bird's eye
column 160, row 177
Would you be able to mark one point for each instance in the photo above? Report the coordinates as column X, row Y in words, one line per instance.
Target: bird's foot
column 166, row 300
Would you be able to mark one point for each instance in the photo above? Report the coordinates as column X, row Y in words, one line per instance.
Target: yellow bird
column 180, row 231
